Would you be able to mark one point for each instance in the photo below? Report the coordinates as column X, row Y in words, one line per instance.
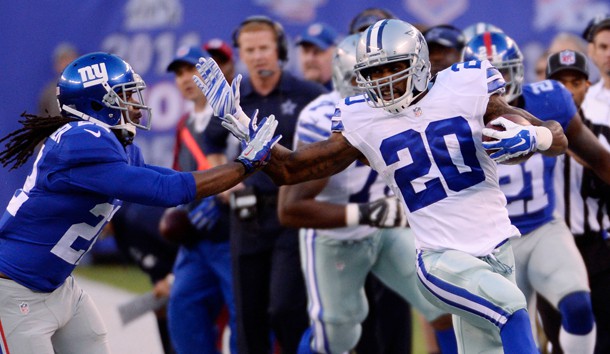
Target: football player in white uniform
column 546, row 257
column 337, row 254
column 426, row 143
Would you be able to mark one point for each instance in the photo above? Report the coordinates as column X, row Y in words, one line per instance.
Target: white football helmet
column 389, row 41
column 344, row 61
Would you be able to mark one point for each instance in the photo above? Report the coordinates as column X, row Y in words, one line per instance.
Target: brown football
column 175, row 226
column 514, row 118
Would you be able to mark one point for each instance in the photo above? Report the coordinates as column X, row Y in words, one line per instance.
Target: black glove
column 383, row 213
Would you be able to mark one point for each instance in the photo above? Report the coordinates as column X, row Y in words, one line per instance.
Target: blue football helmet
column 504, row 54
column 344, row 60
column 479, row 28
column 99, row 87
column 390, row 41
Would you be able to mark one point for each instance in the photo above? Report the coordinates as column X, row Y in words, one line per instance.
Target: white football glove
column 237, row 128
column 516, row 140
column 383, row 213
column 261, row 140
column 223, row 98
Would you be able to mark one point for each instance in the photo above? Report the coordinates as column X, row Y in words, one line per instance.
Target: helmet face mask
column 504, row 54
column 104, row 89
column 513, row 73
column 389, row 89
column 129, row 94
column 384, row 43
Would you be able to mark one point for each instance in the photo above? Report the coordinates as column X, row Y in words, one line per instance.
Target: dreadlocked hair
column 21, row 143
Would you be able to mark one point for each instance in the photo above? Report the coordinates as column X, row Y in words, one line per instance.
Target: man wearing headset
column 269, row 287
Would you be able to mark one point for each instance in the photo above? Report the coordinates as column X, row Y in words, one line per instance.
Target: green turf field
column 132, row 279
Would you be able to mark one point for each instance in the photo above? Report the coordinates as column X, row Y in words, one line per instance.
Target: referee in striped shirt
column 583, row 200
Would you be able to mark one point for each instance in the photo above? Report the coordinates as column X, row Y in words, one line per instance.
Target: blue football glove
column 223, row 98
column 516, row 140
column 261, row 140
column 205, row 214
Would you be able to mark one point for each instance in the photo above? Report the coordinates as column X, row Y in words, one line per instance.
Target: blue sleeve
column 549, row 100
column 134, row 184
column 161, row 170
column 135, row 155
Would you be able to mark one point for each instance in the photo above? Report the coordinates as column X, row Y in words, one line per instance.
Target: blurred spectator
column 445, row 43
column 317, row 45
column 596, row 108
column 540, row 66
column 63, row 55
column 269, row 287
column 571, row 69
column 222, row 53
column 203, row 283
column 367, row 17
column 566, row 40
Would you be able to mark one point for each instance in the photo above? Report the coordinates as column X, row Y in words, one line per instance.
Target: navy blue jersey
column 529, row 186
column 78, row 180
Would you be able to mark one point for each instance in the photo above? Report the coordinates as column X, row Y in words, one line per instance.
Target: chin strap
column 83, row 116
column 128, row 129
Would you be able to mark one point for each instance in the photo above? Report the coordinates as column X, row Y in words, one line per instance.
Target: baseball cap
column 188, row 55
column 217, row 46
column 445, row 35
column 368, row 17
column 596, row 24
column 567, row 60
column 319, row 34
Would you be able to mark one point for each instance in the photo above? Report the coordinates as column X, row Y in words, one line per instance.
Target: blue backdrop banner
column 147, row 33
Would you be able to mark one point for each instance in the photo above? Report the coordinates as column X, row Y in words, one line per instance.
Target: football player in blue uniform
column 86, row 166
column 546, row 257
column 425, row 140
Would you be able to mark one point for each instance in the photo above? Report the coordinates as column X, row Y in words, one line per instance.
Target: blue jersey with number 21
column 78, row 180
column 431, row 155
column 529, row 186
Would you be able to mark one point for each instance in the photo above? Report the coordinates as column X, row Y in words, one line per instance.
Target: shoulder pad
column 472, row 78
column 91, row 143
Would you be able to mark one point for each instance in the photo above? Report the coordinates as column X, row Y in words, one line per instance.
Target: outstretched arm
column 554, row 137
column 218, row 179
column 254, row 156
column 317, row 160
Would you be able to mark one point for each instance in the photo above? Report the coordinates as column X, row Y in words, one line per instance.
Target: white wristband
column 352, row 215
column 544, row 137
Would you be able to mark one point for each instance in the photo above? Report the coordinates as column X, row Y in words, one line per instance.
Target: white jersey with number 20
column 431, row 156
